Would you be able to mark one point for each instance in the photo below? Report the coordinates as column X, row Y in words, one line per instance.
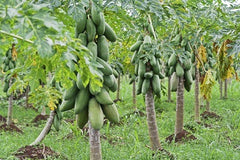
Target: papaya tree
column 146, row 59
column 91, row 100
column 9, row 63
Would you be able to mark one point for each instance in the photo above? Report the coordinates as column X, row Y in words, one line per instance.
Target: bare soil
column 206, row 115
column 180, row 137
column 35, row 152
column 11, row 128
column 40, row 117
column 3, row 119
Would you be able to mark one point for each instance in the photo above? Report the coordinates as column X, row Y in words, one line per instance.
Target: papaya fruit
column 136, row 69
column 82, row 118
column 71, row 92
column 156, row 68
column 193, row 72
column 59, row 113
column 174, row 82
column 172, row 60
column 109, row 80
column 103, row 97
column 193, row 58
column 101, row 26
column 83, row 38
column 139, row 85
column 5, row 87
column 187, row 86
column 92, row 46
column 109, row 33
column 102, row 48
column 9, row 54
column 95, row 114
column 187, row 64
column 106, row 68
column 179, row 70
column 145, row 86
column 111, row 113
column 81, row 23
column 114, row 87
column 148, row 75
column 153, row 60
column 141, row 68
column 171, row 70
column 188, row 77
column 156, row 85
column 81, row 100
column 96, row 18
column 134, row 57
column 67, row 104
column 79, row 82
column 94, row 89
column 91, row 30
column 115, row 73
column 136, row 46
column 161, row 76
column 56, row 123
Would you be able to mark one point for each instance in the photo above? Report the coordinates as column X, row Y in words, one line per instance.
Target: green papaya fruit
column 139, row 85
column 145, row 86
column 179, row 70
column 82, row 118
column 156, row 85
column 172, row 60
column 103, row 97
column 141, row 68
column 81, row 23
column 95, row 114
column 71, row 92
column 101, row 26
column 91, row 30
column 92, row 46
column 148, row 75
column 67, row 104
column 81, row 100
column 109, row 33
column 174, row 82
column 106, row 68
column 136, row 46
column 102, row 48
column 111, row 113
column 83, row 38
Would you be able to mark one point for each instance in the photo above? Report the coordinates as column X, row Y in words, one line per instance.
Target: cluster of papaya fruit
column 147, row 64
column 181, row 65
column 8, row 64
column 88, row 102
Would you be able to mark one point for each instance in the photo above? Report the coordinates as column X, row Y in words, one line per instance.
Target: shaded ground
column 2, row 119
column 11, row 128
column 182, row 136
column 206, row 115
column 194, row 126
column 40, row 117
column 35, row 152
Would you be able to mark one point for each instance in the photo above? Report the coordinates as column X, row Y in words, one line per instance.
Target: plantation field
column 130, row 139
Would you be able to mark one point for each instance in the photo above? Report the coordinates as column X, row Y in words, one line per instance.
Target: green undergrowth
column 129, row 139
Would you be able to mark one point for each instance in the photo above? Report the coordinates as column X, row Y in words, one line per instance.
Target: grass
column 130, row 140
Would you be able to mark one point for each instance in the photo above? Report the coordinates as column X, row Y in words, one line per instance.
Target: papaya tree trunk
column 118, row 88
column 197, row 105
column 95, row 144
column 225, row 88
column 27, row 97
column 169, row 89
column 207, row 106
column 151, row 119
column 134, row 95
column 221, row 89
column 10, row 107
column 180, row 106
column 45, row 130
